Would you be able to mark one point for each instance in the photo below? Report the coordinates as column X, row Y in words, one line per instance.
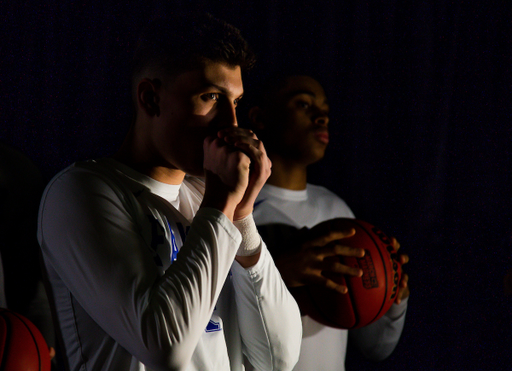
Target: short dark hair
column 188, row 41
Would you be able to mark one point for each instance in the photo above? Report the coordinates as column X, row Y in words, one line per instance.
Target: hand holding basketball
column 322, row 267
column 318, row 254
column 370, row 296
column 403, row 287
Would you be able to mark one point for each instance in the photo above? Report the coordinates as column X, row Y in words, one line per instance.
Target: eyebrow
column 293, row 93
column 222, row 89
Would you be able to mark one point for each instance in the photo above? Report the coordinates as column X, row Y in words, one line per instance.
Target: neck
column 135, row 154
column 288, row 174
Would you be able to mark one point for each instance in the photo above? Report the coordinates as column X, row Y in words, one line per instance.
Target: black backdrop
column 421, row 101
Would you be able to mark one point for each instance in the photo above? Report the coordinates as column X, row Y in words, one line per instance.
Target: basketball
column 22, row 347
column 369, row 297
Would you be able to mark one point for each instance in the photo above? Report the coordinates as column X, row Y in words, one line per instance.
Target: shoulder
column 86, row 183
column 328, row 200
column 321, row 193
column 101, row 174
column 83, row 176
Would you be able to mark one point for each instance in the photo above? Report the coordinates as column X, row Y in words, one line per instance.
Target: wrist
column 241, row 213
column 251, row 240
column 220, row 203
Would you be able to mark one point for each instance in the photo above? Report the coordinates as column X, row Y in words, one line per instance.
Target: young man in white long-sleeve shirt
column 291, row 115
column 153, row 256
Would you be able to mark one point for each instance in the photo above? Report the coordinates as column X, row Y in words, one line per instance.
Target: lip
column 322, row 136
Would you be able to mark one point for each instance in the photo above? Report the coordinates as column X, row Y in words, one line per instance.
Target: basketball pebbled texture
column 22, row 347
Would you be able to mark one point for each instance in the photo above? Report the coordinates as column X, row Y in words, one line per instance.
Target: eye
column 236, row 101
column 210, row 96
column 303, row 104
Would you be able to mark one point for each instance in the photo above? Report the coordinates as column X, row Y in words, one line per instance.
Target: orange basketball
column 369, row 297
column 22, row 347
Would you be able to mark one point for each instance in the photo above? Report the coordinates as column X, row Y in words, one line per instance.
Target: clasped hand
column 236, row 167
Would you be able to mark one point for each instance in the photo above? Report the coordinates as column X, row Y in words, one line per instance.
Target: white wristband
column 251, row 240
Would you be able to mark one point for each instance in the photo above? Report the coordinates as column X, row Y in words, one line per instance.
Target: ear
column 256, row 118
column 147, row 97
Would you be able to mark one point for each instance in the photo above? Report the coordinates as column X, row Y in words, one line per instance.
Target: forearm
column 105, row 260
column 271, row 328
column 185, row 298
column 378, row 340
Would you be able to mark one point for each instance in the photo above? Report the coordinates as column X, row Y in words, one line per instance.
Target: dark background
column 421, row 102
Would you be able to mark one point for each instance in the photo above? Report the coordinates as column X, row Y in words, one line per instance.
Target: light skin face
column 192, row 106
column 188, row 125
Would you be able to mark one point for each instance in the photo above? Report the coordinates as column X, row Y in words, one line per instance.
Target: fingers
column 331, row 285
column 395, row 243
column 333, row 265
column 338, row 248
column 403, row 288
column 329, row 237
column 317, row 279
column 311, row 268
column 332, row 245
column 331, row 274
column 237, row 137
column 246, row 142
column 403, row 259
column 235, row 131
column 219, row 157
column 226, row 176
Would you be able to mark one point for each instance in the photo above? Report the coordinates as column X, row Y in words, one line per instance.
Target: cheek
column 190, row 146
column 296, row 121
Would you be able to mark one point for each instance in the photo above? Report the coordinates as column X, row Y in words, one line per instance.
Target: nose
column 227, row 116
column 231, row 117
column 322, row 119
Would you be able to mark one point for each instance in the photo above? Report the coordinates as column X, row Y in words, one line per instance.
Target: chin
column 194, row 169
column 315, row 156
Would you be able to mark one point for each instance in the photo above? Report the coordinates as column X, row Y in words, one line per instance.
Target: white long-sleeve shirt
column 143, row 280
column 324, row 348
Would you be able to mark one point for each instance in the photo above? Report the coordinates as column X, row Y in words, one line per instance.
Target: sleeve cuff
column 218, row 216
column 397, row 310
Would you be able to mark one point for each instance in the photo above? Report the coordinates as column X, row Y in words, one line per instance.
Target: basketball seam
column 385, row 272
column 33, row 338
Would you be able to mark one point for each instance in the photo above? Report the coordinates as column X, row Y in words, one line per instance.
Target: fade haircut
column 185, row 42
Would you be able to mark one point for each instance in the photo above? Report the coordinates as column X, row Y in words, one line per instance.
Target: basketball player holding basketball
column 291, row 116
column 152, row 267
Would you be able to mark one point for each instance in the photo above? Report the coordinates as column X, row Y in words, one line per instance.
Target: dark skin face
column 295, row 127
column 296, row 121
